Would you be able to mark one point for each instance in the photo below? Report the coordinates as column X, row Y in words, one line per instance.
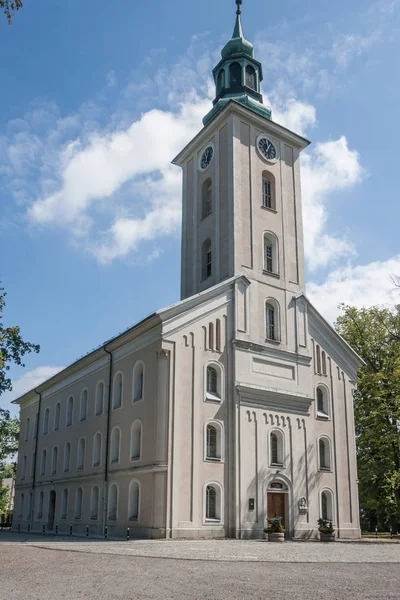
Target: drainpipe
column 105, row 503
column 36, row 457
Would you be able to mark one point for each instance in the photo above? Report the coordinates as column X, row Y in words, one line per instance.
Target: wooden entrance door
column 276, row 506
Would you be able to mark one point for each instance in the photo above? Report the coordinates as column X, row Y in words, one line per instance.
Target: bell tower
column 241, row 188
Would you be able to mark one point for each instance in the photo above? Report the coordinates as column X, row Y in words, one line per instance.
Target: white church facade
column 229, row 407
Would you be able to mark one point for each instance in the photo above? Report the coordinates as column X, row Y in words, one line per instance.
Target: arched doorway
column 52, row 510
column 278, row 502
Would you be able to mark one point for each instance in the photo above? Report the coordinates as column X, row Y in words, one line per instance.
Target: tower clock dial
column 206, row 157
column 267, row 148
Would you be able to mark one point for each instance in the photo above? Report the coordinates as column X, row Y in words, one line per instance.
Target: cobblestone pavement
column 37, row 568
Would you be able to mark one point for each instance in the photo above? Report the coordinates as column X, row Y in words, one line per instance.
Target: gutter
column 36, row 433
column 105, row 501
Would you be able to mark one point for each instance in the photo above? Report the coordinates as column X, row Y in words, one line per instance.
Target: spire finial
column 238, row 31
column 239, row 7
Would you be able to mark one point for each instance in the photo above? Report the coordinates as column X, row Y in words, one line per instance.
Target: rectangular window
column 270, row 323
column 267, row 197
column 209, row 264
column 268, row 258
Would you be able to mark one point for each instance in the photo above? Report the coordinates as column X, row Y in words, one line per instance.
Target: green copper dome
column 238, row 75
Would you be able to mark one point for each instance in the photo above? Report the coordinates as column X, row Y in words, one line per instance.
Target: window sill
column 275, row 342
column 112, row 518
column 205, row 278
column 136, row 458
column 68, row 425
column 281, row 465
column 325, row 470
column 96, row 464
column 211, row 459
column 204, row 217
column 213, row 398
column 271, row 274
column 213, row 522
column 79, row 468
column 114, row 462
column 93, row 518
column 136, row 400
column 117, row 407
column 269, row 209
column 133, row 519
column 83, row 419
column 66, row 471
column 322, row 416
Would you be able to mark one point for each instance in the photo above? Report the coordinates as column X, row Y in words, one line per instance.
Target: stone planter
column 276, row 537
column 327, row 537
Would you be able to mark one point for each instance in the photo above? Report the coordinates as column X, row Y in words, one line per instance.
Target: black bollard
column 19, row 527
column 70, row 530
column 87, row 530
column 56, row 529
column 105, row 532
column 44, row 529
column 127, row 534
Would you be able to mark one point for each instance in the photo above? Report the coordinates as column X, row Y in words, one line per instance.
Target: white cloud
column 28, row 381
column 362, row 285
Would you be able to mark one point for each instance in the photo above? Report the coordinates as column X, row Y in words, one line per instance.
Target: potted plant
column 326, row 530
column 275, row 530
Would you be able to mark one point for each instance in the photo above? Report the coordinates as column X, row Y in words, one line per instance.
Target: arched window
column 322, row 402
column 21, row 505
column 136, row 440
column 54, row 460
column 115, row 445
column 27, row 429
column 276, row 448
column 84, row 406
column 113, row 503
column 43, row 463
column 78, row 503
column 220, row 81
column 324, row 363
column 212, row 381
column 24, row 461
column 206, row 195
column 206, row 258
column 98, row 410
column 324, row 454
column 211, row 336
column 235, row 75
column 271, row 264
column 57, row 416
column 134, row 501
column 67, row 457
column 40, row 506
column 138, row 382
column 64, row 504
column 218, row 335
column 94, row 502
column 251, row 80
column 268, row 191
column 46, row 421
column 70, row 411
column 80, row 463
column 327, row 505
column 117, row 390
column 272, row 320
column 213, row 503
column 36, row 425
column 214, row 441
column 97, row 449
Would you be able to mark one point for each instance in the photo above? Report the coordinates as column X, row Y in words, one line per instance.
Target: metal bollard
column 127, row 534
column 44, row 529
column 105, row 532
column 87, row 530
column 19, row 527
column 70, row 530
column 56, row 529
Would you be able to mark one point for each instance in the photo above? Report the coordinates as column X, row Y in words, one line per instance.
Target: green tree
column 9, row 7
column 374, row 333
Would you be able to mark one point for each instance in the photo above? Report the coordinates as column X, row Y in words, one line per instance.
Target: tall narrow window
column 212, row 381
column 84, row 406
column 271, row 253
column 64, row 504
column 324, row 363
column 235, row 75
column 70, row 411
column 136, row 440
column 57, row 415
column 212, row 443
column 134, row 501
column 94, row 502
column 99, row 398
column 113, row 502
column 218, row 335
column 81, row 454
column 46, row 421
column 211, row 336
column 78, row 503
column 318, row 359
column 67, row 457
column 54, row 460
column 206, row 195
column 276, row 448
column 221, row 81
column 268, row 264
column 27, row 429
column 117, row 391
column 115, row 445
column 97, row 449
column 322, row 402
column 327, row 505
column 43, row 463
column 211, row 503
column 206, row 259
column 270, row 321
column 268, row 191
column 138, row 381
column 324, row 454
column 251, row 80
column 21, row 505
column 40, row 506
column 24, row 462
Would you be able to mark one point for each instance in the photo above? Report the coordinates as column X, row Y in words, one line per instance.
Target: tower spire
column 238, row 31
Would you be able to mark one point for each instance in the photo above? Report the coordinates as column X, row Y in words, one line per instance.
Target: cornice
column 274, row 399
column 286, row 355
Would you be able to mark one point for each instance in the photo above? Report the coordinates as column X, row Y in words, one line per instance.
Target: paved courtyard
column 36, row 567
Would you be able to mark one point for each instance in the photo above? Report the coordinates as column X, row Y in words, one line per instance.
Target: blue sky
column 97, row 100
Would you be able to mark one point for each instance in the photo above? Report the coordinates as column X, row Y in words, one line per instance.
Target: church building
column 231, row 406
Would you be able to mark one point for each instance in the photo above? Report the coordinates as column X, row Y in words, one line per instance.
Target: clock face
column 267, row 148
column 206, row 157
